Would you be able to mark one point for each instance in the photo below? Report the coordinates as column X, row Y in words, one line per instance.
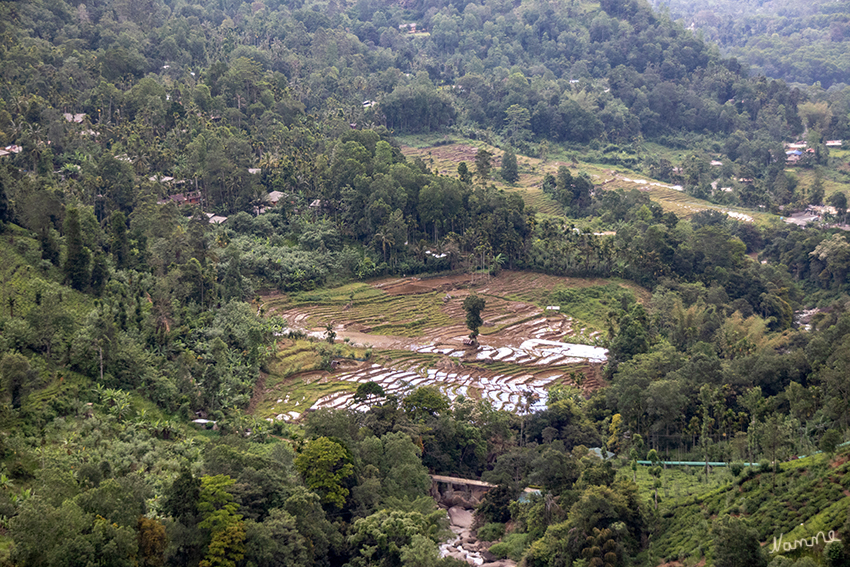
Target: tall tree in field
column 517, row 120
column 77, row 257
column 473, row 305
column 16, row 377
column 707, row 397
column 482, row 165
column 510, row 169
column 655, row 472
column 181, row 502
column 226, row 529
column 464, row 173
column 816, row 191
column 776, row 435
column 152, row 542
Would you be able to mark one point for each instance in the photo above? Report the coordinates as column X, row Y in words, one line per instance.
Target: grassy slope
column 833, row 181
column 810, row 495
column 295, row 377
column 381, row 313
column 23, row 275
column 587, row 302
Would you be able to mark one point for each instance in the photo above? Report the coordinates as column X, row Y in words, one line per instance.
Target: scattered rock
column 460, row 517
column 464, row 546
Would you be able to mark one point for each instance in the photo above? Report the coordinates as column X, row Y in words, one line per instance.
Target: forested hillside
column 797, row 42
column 174, row 176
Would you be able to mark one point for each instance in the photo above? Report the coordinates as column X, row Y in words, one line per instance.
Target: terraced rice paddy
column 504, row 390
column 415, row 328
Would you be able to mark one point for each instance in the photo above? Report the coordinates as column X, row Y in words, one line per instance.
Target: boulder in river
column 460, row 517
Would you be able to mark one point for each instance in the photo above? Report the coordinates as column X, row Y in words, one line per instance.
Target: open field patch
column 444, row 159
column 673, row 199
column 291, row 398
column 833, row 181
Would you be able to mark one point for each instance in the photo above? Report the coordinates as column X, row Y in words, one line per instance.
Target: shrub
column 736, row 468
column 834, row 553
column 495, row 505
column 491, row 531
column 512, row 547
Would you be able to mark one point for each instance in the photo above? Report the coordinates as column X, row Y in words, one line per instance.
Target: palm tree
column 419, row 248
column 33, row 137
column 497, row 262
column 385, row 237
column 453, row 250
column 529, row 398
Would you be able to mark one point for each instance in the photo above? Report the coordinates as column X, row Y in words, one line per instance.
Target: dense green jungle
column 214, row 215
column 798, row 42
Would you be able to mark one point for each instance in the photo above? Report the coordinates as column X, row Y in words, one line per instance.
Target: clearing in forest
column 414, row 330
column 444, row 159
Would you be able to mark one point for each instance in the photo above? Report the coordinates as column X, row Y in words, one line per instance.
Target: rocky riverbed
column 465, row 546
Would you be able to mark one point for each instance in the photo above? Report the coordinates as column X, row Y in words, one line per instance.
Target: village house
column 215, row 219
column 822, row 210
column 13, row 149
column 792, row 156
column 162, row 179
column 274, row 197
column 190, row 198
